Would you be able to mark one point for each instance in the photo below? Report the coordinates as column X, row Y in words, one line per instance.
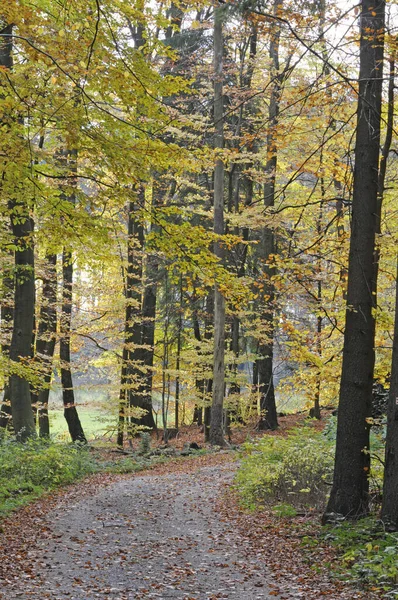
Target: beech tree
column 349, row 493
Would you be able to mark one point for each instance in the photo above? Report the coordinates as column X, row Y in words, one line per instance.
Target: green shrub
column 26, row 470
column 292, row 470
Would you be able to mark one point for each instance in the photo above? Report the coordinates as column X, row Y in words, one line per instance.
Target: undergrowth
column 29, row 470
column 286, row 471
column 368, row 554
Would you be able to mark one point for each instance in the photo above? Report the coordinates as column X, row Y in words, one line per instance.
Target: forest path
column 147, row 536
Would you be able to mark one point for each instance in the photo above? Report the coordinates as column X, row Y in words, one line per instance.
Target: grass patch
column 94, row 422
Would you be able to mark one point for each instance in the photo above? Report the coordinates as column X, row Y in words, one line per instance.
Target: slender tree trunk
column 216, row 422
column 265, row 362
column 68, row 395
column 45, row 342
column 199, row 383
column 148, row 338
column 178, row 360
column 383, row 164
column 208, row 387
column 68, row 160
column 316, row 409
column 349, row 494
column 389, row 509
column 121, row 423
column 7, row 314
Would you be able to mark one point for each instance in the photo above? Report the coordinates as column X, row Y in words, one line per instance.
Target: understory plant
column 294, row 470
column 27, row 470
column 368, row 554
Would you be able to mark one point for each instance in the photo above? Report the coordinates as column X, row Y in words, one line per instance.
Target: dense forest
column 198, row 220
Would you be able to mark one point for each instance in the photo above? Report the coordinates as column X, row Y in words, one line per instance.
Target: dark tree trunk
column 265, row 362
column 7, row 314
column 67, row 159
column 68, row 395
column 143, row 326
column 24, row 291
column 349, row 494
column 216, row 436
column 131, row 373
column 178, row 359
column 45, row 342
column 21, row 341
column 148, row 339
column 122, row 400
column 389, row 509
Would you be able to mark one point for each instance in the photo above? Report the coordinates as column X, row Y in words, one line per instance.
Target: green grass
column 95, row 421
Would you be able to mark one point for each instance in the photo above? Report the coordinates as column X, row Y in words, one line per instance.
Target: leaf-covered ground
column 175, row 531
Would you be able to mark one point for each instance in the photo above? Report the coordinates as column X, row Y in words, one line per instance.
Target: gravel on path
column 146, row 537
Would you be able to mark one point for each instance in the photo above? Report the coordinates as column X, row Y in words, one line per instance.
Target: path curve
column 147, row 537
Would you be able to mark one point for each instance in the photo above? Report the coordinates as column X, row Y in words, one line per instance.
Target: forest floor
column 174, row 531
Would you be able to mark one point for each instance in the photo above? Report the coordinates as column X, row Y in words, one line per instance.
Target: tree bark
column 24, row 304
column 7, row 314
column 216, row 436
column 68, row 395
column 68, row 160
column 142, row 324
column 349, row 494
column 389, row 509
column 265, row 362
column 45, row 342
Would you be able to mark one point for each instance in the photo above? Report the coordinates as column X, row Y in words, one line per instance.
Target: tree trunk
column 7, row 314
column 216, row 436
column 68, row 395
column 24, row 302
column 349, row 494
column 389, row 509
column 265, row 362
column 45, row 343
column 24, row 291
column 68, row 160
column 178, row 360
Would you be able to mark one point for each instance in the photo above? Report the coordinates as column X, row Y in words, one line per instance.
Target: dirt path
column 144, row 537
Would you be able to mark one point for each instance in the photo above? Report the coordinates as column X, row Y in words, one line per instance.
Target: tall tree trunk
column 208, row 385
column 7, row 314
column 141, row 313
column 389, row 509
column 68, row 159
column 349, row 494
column 122, row 416
column 178, row 359
column 148, row 338
column 45, row 342
column 216, row 436
column 24, row 302
column 68, row 395
column 131, row 374
column 24, row 291
column 265, row 362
